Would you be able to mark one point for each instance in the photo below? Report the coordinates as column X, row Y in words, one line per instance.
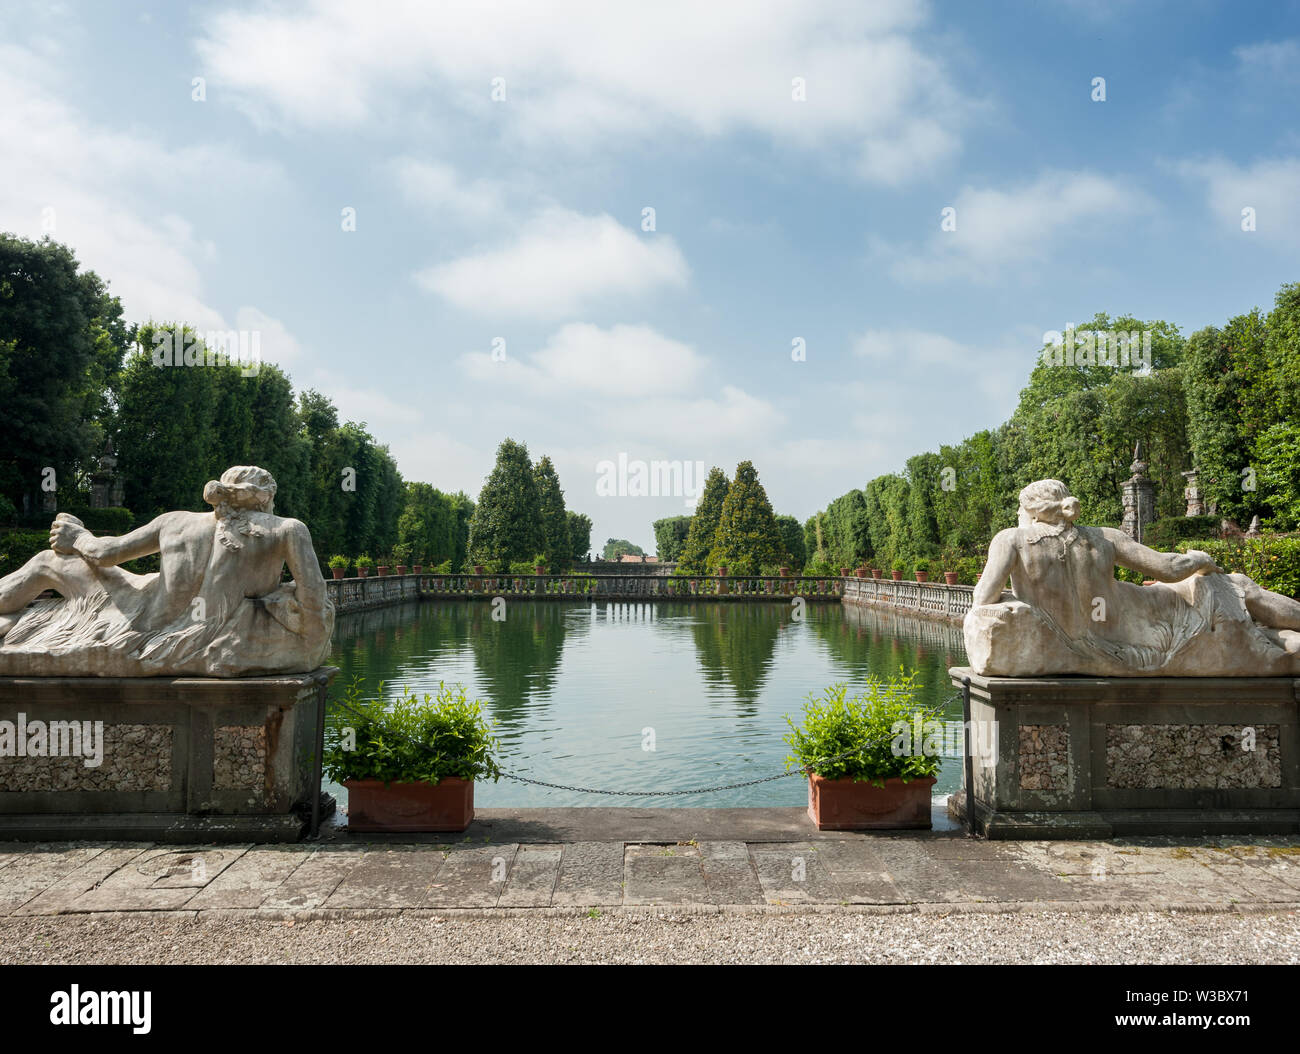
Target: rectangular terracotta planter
column 447, row 805
column 857, row 805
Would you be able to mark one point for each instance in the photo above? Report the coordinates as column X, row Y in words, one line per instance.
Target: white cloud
column 1273, row 60
column 439, row 188
column 107, row 195
column 582, row 73
column 1000, row 230
column 582, row 357
column 1270, row 187
column 560, row 264
column 278, row 345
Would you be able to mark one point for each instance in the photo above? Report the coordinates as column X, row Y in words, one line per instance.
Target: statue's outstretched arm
column 1002, row 558
column 69, row 537
column 1163, row 567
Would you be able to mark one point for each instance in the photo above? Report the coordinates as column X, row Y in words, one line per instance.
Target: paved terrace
column 691, row 860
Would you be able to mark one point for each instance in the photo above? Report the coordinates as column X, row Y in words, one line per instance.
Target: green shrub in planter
column 923, row 565
column 834, row 724
column 410, row 739
column 898, row 565
column 338, row 563
column 366, row 561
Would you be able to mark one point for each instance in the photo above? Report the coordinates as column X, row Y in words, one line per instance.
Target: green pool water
column 577, row 691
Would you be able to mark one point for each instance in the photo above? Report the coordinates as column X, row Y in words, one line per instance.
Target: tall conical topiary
column 554, row 521
column 747, row 539
column 704, row 524
column 506, row 526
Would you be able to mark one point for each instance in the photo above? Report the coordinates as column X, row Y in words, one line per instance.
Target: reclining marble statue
column 215, row 608
column 1071, row 616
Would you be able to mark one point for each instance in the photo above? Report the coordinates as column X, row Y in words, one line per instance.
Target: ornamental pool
column 573, row 688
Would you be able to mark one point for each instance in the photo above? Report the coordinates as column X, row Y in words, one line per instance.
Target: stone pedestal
column 1088, row 757
column 183, row 759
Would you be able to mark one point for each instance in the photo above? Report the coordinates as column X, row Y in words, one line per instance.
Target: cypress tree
column 704, row 524
column 747, row 539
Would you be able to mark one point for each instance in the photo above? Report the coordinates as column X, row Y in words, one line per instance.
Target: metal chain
column 697, row 790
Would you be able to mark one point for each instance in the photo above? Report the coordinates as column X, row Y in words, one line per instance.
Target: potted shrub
column 860, row 572
column 949, row 577
column 886, row 781
column 364, row 565
column 897, row 569
column 419, row 565
column 384, row 564
column 876, row 572
column 922, row 570
column 401, row 556
column 844, row 572
column 410, row 764
column 338, row 566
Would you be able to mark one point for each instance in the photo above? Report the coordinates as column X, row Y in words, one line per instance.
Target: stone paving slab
column 591, row 875
column 898, row 872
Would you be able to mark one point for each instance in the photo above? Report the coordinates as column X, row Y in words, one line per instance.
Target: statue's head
column 1048, row 501
column 242, row 487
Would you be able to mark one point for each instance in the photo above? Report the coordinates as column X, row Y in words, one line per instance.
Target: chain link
column 927, row 713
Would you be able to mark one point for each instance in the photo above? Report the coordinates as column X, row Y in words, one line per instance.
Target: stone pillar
column 1192, row 494
column 1139, row 497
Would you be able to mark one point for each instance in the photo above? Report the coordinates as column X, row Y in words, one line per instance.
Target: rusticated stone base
column 1088, row 757
column 82, row 756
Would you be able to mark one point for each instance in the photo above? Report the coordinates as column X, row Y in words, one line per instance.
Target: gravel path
column 627, row 937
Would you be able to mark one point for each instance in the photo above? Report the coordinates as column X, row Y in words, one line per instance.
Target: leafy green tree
column 579, row 536
column 670, row 537
column 506, row 525
column 62, row 342
column 792, row 542
column 1278, row 467
column 620, row 547
column 704, row 524
column 427, row 524
column 556, row 546
column 1219, row 365
column 747, row 540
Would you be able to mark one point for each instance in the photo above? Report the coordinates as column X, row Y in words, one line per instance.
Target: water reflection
column 577, row 691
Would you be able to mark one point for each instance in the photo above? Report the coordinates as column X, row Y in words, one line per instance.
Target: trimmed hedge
column 1165, row 534
column 17, row 547
column 1271, row 560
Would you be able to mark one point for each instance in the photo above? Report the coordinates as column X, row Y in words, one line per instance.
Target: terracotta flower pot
column 401, row 569
column 418, row 569
column 844, row 572
column 363, row 572
column 950, row 578
column 338, row 572
column 861, row 572
column 785, row 572
column 856, row 805
column 876, row 572
column 479, row 569
column 540, row 569
column 383, row 570
column 447, row 805
column 922, row 576
column 897, row 576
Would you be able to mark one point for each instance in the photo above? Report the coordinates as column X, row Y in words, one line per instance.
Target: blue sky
column 775, row 218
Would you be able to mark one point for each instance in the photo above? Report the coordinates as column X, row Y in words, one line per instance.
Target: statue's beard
column 233, row 521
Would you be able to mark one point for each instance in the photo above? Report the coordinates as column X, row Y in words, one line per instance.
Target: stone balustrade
column 933, row 600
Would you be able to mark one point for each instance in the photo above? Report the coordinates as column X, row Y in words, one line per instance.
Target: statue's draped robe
column 1071, row 616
